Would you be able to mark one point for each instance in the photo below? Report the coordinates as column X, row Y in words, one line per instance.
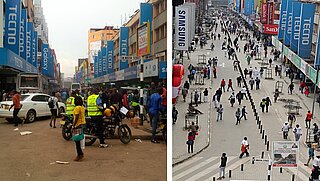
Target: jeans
column 297, row 136
column 100, row 128
column 78, row 147
column 285, row 134
column 219, row 116
column 16, row 119
column 190, row 147
column 222, row 171
column 155, row 120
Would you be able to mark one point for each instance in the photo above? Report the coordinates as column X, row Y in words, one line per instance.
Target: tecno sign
column 270, row 29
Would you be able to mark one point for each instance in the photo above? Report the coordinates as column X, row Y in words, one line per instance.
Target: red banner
column 264, row 13
column 270, row 29
column 271, row 12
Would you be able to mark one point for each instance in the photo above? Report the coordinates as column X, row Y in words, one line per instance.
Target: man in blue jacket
column 155, row 108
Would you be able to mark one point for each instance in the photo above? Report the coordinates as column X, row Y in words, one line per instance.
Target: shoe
column 50, row 125
column 15, row 125
column 220, row 178
column 78, row 158
column 154, row 141
column 103, row 145
column 223, row 177
column 54, row 127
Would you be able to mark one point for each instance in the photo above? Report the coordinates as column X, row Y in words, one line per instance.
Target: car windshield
column 23, row 97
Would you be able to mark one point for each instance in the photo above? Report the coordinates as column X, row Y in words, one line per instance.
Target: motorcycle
column 66, row 124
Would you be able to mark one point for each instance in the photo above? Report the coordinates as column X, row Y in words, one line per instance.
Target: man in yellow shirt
column 78, row 123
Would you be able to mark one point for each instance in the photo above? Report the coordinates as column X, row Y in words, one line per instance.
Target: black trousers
column 100, row 128
column 190, row 148
column 78, row 148
column 245, row 152
column 16, row 119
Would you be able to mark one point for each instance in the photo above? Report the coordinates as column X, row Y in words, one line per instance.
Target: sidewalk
column 142, row 132
column 179, row 135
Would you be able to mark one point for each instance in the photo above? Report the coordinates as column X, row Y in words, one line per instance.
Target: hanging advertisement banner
column 96, row 66
column 104, row 61
column 35, row 49
column 99, row 64
column 110, row 58
column 285, row 153
column 191, row 21
column 143, row 40
column 12, row 25
column 45, row 59
column 305, row 41
column 270, row 29
column 317, row 56
column 29, row 42
column 238, row 6
column 296, row 25
column 283, row 19
column 146, row 17
column 264, row 13
column 163, row 69
column 182, row 28
column 23, row 35
column 123, row 47
column 287, row 32
column 270, row 12
column 51, row 64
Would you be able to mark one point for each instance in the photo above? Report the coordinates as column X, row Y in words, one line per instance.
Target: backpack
column 51, row 103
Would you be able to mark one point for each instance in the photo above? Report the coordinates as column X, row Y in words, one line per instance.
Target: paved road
column 25, row 158
column 226, row 137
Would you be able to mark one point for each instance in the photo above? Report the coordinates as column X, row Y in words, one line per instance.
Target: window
column 40, row 98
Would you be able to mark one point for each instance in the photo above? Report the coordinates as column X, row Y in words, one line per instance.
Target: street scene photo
column 83, row 90
column 245, row 90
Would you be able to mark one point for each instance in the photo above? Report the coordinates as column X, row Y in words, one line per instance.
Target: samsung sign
column 45, row 59
column 182, row 28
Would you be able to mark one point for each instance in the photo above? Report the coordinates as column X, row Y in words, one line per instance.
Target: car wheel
column 61, row 110
column 31, row 116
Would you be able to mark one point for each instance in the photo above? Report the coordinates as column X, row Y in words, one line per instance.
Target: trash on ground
column 52, row 163
column 138, row 140
column 25, row 133
column 16, row 129
column 28, row 174
column 62, row 162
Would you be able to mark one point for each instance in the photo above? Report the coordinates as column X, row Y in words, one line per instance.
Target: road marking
column 209, row 169
column 192, row 169
column 300, row 174
column 189, row 162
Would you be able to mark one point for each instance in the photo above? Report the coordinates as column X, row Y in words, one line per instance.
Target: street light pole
column 315, row 91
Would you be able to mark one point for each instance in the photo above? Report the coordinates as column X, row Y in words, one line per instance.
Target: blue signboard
column 317, row 56
column 238, row 5
column 110, row 58
column 124, row 48
column 305, row 42
column 95, row 66
column 296, row 25
column 287, row 32
column 50, row 64
column 10, row 59
column 35, row 49
column 146, row 16
column 283, row 19
column 45, row 59
column 131, row 73
column 12, row 25
column 29, row 42
column 104, row 60
column 163, row 69
column 23, row 35
column 99, row 64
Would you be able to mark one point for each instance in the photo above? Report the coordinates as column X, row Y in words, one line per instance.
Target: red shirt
column 125, row 102
column 309, row 116
column 16, row 101
column 230, row 83
column 164, row 96
column 223, row 83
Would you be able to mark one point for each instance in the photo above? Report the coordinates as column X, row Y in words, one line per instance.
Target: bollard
column 261, row 129
column 229, row 173
column 269, row 177
column 262, row 155
column 280, row 169
column 214, row 179
column 293, row 176
column 262, row 134
column 253, row 160
column 265, row 139
column 241, row 167
column 267, row 145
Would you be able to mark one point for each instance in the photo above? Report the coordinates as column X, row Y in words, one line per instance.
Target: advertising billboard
column 104, row 60
column 163, row 69
column 110, row 58
column 99, row 64
column 96, row 66
column 146, row 17
column 270, row 29
column 51, row 65
column 287, row 32
column 45, row 59
column 12, row 25
column 264, row 13
column 143, row 40
column 305, row 41
column 29, row 42
column 182, row 28
column 296, row 24
column 124, row 48
column 317, row 56
column 95, row 47
column 35, row 49
column 271, row 12
column 23, row 35
column 150, row 69
column 285, row 153
column 283, row 19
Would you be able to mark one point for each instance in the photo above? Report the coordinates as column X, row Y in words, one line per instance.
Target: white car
column 34, row 105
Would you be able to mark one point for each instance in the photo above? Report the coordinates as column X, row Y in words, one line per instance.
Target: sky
column 70, row 20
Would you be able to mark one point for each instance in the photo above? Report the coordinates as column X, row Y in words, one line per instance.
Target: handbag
column 77, row 134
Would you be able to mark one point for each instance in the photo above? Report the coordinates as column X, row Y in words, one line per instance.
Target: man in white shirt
column 53, row 105
column 244, row 92
column 297, row 132
column 244, row 147
column 285, row 130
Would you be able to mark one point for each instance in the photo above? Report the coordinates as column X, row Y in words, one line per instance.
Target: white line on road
column 208, row 170
column 189, row 162
column 192, row 169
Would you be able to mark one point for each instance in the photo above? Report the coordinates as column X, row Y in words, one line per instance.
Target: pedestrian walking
column 235, row 65
column 174, row 114
column 155, row 107
column 190, row 142
column 196, row 97
column 270, row 62
column 219, row 112
column 285, row 130
column 268, row 103
column 230, row 85
column 184, row 93
column 243, row 113
column 248, row 58
column 251, row 82
column 276, row 70
column 244, row 147
column 205, row 94
column 219, row 94
column 302, row 86
column 308, row 119
column 16, row 107
column 246, row 72
column 276, row 95
column 222, row 167
column 290, row 88
column 244, row 92
column 238, row 114
column 310, row 153
column 263, row 104
column 239, row 97
column 223, row 85
column 261, row 72
column 315, row 130
column 232, row 99
column 53, row 105
column 77, row 126
column 214, row 72
column 257, row 83
column 239, row 80
column 306, row 91
column 297, row 132
column 291, row 119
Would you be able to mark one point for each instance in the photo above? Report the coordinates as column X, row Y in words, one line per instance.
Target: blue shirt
column 155, row 104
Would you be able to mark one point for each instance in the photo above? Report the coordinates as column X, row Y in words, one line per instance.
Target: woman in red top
column 308, row 119
column 306, row 91
column 301, row 87
column 223, row 85
column 230, row 85
column 16, row 107
column 125, row 101
column 190, row 142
